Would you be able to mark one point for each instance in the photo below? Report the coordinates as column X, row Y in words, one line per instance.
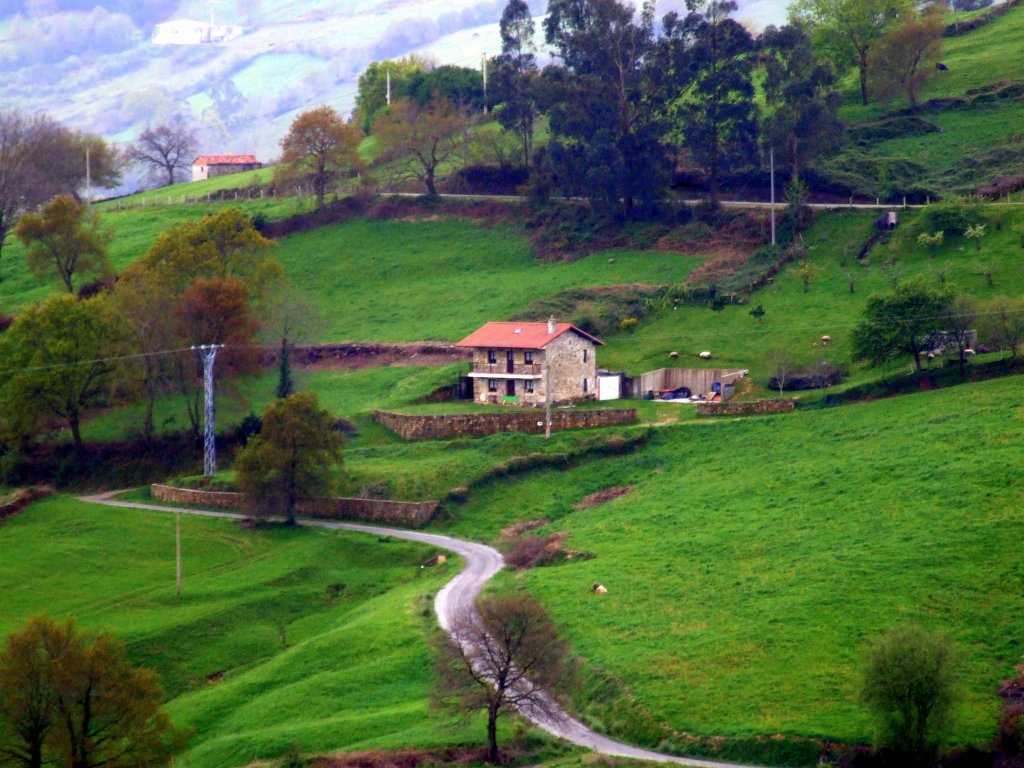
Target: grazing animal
column 705, row 355
column 942, row 67
column 599, row 589
column 673, row 355
column 826, row 340
column 969, row 351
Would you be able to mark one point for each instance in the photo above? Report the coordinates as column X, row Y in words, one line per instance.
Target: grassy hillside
column 134, row 231
column 415, row 280
column 755, row 557
column 796, row 320
column 328, row 667
column 978, row 136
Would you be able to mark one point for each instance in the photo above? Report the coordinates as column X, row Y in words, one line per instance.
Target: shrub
column 908, row 684
column 954, row 216
column 628, row 324
column 1010, row 736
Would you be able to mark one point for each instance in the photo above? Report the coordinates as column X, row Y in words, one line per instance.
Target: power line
column 718, row 334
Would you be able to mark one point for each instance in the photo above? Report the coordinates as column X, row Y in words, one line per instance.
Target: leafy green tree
column 719, row 114
column 516, row 74
column 909, row 685
column 848, row 30
column 222, row 244
column 323, row 148
column 606, row 143
column 371, row 97
column 74, row 700
column 54, row 355
column 294, row 457
column 801, row 119
column 462, row 86
column 66, row 239
column 904, row 322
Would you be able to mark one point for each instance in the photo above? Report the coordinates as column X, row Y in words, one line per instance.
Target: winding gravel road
column 458, row 598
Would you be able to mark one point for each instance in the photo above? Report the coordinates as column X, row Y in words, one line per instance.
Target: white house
column 191, row 32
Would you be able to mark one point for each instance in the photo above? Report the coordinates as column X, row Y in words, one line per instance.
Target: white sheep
column 705, row 355
column 599, row 589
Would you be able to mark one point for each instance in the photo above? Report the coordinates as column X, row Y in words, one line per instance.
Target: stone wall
column 412, row 514
column 444, row 426
column 759, row 408
column 21, row 499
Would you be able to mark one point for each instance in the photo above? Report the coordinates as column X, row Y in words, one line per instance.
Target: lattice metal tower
column 209, row 352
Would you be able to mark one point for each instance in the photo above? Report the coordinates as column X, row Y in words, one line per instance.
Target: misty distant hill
column 94, row 63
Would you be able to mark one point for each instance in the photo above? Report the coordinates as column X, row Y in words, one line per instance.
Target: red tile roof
column 226, row 160
column 520, row 335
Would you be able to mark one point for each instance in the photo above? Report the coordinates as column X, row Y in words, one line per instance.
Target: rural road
column 458, row 598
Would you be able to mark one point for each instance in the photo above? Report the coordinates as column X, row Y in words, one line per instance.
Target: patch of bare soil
column 356, row 355
column 404, row 758
column 516, row 530
column 724, row 264
column 603, row 497
column 20, row 499
column 522, row 551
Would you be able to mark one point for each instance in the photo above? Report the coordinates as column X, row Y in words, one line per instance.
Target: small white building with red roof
column 519, row 363
column 209, row 166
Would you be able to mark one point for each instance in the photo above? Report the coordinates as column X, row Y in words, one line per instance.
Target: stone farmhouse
column 209, row 166
column 515, row 363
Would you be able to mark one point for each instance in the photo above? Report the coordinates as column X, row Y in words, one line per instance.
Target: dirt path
column 458, row 598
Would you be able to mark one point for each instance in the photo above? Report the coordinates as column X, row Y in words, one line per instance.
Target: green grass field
column 755, row 558
column 135, row 230
column 347, row 667
column 797, row 320
column 975, row 60
column 417, row 280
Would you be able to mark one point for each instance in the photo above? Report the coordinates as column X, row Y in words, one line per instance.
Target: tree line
column 629, row 97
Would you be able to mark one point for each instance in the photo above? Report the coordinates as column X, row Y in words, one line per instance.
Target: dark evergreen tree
column 515, row 74
column 719, row 113
column 604, row 141
column 801, row 121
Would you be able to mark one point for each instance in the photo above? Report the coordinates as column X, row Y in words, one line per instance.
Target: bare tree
column 418, row 139
column 15, row 154
column 507, row 656
column 40, row 158
column 166, row 150
column 785, row 365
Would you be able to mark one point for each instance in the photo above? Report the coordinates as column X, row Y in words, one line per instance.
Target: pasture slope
column 754, row 558
column 280, row 637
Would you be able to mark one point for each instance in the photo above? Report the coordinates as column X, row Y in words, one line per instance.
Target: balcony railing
column 502, row 369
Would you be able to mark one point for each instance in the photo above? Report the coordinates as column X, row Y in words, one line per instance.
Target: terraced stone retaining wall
column 409, row 514
column 759, row 408
column 445, row 426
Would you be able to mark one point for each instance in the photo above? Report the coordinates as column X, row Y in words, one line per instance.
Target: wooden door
column 510, row 362
column 510, row 387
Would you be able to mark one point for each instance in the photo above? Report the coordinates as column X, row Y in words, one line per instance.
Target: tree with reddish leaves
column 214, row 311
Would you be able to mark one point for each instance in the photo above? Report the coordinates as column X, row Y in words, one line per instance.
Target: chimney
column 551, row 325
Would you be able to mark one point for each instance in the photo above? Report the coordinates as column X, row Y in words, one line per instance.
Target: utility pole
column 209, row 352
column 177, row 541
column 547, row 398
column 88, row 178
column 771, row 154
column 483, row 68
column 389, row 86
